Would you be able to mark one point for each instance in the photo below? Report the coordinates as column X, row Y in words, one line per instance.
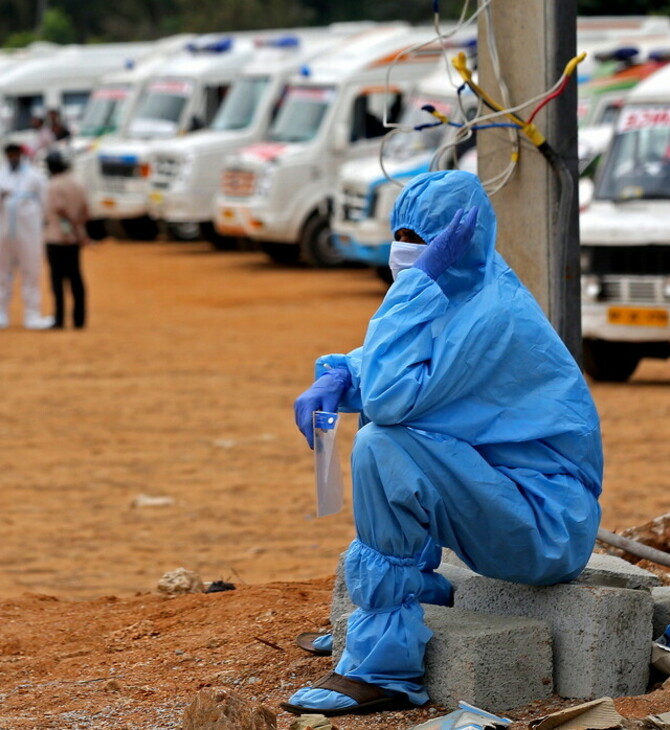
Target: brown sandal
column 369, row 697
column 306, row 642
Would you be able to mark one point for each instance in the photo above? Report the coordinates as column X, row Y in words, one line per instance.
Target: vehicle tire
column 140, row 229
column 612, row 362
column 286, row 254
column 384, row 273
column 184, row 231
column 316, row 245
column 96, row 230
column 219, row 242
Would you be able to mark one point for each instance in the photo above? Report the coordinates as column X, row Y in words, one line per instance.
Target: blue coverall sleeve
column 397, row 352
column 351, row 400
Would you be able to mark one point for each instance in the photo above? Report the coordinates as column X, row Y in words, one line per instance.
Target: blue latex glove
column 324, row 395
column 446, row 248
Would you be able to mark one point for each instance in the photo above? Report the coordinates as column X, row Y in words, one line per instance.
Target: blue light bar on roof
column 219, row 45
column 625, row 53
column 284, row 41
column 660, row 54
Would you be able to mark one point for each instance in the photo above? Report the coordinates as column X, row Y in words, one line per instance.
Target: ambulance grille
column 238, row 183
column 633, row 290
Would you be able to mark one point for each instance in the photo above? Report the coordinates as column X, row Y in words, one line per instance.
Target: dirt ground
column 182, row 388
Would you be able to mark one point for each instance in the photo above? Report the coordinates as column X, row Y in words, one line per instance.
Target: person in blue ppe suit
column 479, row 434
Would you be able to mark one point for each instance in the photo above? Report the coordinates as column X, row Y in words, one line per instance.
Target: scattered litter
column 311, row 722
column 217, row 586
column 467, row 717
column 231, row 443
column 179, row 581
column 599, row 714
column 147, row 500
column 662, row 722
column 660, row 652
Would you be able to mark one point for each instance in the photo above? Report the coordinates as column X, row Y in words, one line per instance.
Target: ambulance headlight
column 666, row 288
column 265, row 179
column 591, row 288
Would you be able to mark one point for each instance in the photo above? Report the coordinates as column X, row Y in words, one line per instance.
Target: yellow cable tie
column 572, row 64
column 514, row 157
column 460, row 63
column 438, row 115
column 533, row 134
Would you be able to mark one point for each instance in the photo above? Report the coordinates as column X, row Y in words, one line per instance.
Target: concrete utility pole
column 535, row 40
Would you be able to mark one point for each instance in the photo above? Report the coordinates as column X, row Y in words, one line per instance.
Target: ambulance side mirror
column 340, row 140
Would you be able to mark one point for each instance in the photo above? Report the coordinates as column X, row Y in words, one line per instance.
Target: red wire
column 544, row 102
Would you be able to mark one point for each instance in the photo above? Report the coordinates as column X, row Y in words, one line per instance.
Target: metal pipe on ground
column 634, row 547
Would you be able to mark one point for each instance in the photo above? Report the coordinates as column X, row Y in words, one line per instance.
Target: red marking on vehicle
column 179, row 88
column 635, row 119
column 113, row 94
column 265, row 150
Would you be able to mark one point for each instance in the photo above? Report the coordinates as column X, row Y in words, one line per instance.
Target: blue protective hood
column 427, row 205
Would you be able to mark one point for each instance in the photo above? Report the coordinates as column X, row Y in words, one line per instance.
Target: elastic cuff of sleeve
column 341, row 375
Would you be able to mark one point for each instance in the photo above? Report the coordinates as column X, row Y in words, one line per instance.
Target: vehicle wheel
column 384, row 273
column 184, row 231
column 219, row 242
column 316, row 244
column 612, row 362
column 140, row 229
column 282, row 253
column 97, row 230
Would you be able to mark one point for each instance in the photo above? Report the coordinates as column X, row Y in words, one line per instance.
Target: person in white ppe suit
column 23, row 192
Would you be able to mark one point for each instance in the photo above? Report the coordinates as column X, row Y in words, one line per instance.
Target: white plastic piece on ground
column 467, row 717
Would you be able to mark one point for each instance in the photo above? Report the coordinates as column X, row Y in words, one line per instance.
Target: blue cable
column 500, row 124
column 421, row 127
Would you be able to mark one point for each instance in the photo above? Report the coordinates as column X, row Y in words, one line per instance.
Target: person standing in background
column 43, row 137
column 58, row 128
column 65, row 234
column 22, row 206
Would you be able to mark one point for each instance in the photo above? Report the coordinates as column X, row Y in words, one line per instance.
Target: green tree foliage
column 20, row 39
column 57, row 27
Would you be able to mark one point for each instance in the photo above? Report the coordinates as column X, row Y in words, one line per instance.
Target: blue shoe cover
column 321, row 699
column 324, row 643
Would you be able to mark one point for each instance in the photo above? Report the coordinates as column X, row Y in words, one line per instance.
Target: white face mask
column 403, row 255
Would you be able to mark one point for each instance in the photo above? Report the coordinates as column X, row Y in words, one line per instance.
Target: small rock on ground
column 179, row 581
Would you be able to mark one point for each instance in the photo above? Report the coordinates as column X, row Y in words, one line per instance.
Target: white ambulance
column 183, row 95
column 61, row 80
column 280, row 191
column 184, row 175
column 107, row 113
column 625, row 240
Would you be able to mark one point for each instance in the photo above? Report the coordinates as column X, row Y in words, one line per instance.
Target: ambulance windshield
column 301, row 113
column 638, row 165
column 241, row 103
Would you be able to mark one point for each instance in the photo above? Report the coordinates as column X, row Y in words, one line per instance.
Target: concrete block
column 610, row 570
column 341, row 602
column 601, row 570
column 661, row 598
column 601, row 634
column 493, row 662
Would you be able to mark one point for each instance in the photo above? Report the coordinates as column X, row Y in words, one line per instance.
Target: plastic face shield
column 329, row 483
